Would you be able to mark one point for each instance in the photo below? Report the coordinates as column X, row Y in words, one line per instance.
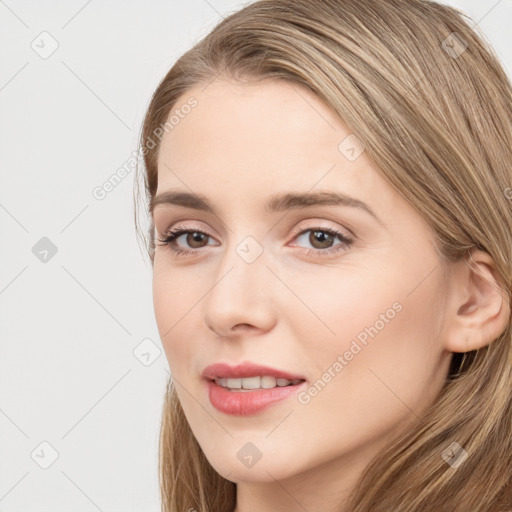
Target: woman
column 329, row 189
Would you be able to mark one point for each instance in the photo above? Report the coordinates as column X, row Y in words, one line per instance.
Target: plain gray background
column 82, row 370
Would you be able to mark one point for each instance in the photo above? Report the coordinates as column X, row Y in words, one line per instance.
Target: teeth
column 268, row 382
column 265, row 382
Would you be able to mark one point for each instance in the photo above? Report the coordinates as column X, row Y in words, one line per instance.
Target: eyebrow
column 276, row 203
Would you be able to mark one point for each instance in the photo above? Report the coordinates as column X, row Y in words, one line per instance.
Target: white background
column 69, row 326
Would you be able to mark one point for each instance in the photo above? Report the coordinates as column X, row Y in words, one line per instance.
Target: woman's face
column 361, row 321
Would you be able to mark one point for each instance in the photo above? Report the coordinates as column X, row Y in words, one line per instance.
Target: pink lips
column 244, row 403
column 246, row 369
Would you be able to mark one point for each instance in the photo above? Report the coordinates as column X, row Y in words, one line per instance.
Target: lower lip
column 244, row 403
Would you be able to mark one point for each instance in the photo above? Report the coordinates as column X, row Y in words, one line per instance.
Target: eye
column 320, row 238
column 194, row 237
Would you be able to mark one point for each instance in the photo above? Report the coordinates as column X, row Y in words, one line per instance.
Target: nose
column 241, row 299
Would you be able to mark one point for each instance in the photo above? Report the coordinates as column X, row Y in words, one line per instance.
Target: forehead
column 268, row 120
column 271, row 124
column 257, row 137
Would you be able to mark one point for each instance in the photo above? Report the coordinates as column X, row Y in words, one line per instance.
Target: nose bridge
column 240, row 293
column 241, row 266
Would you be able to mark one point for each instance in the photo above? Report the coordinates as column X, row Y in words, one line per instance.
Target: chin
column 265, row 470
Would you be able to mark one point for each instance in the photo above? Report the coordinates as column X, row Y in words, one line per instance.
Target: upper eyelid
column 178, row 225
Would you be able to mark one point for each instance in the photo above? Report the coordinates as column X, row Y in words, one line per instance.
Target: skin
column 296, row 311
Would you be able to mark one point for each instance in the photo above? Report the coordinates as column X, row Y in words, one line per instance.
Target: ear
column 478, row 307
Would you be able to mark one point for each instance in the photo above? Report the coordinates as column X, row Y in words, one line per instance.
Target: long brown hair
column 428, row 97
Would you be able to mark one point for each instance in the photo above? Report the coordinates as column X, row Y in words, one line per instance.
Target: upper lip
column 245, row 369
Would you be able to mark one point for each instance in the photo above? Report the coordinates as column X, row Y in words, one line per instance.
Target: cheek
column 334, row 307
column 384, row 354
column 173, row 301
column 371, row 331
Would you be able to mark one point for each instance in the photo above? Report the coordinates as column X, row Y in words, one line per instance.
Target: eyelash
column 171, row 236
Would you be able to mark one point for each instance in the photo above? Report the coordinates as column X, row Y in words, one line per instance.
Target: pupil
column 196, row 237
column 322, row 237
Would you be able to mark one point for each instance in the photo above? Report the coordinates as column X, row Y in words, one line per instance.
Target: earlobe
column 480, row 306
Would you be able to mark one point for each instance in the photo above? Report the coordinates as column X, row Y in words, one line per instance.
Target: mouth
column 245, row 397
column 248, row 388
column 257, row 383
column 247, row 371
